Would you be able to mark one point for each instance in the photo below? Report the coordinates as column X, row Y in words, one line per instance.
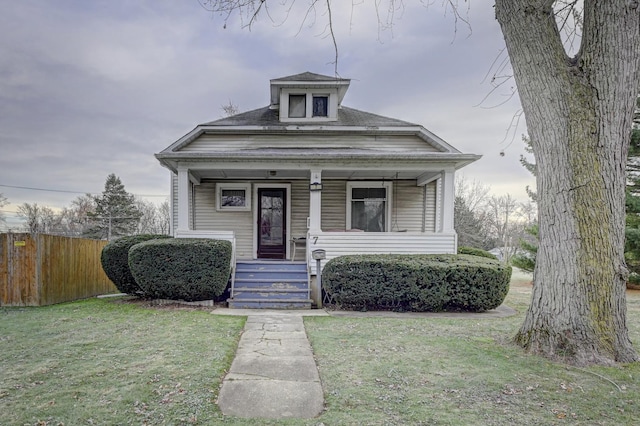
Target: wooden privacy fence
column 39, row 269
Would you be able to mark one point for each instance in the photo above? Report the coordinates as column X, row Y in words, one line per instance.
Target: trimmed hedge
column 115, row 261
column 188, row 269
column 416, row 282
column 476, row 252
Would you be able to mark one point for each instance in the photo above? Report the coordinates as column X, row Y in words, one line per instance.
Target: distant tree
column 164, row 218
column 230, row 109
column 3, row 202
column 75, row 218
column 115, row 214
column 502, row 214
column 470, row 226
column 470, row 221
column 155, row 218
column 38, row 219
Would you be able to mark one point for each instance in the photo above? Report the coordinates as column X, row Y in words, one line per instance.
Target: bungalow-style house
column 305, row 179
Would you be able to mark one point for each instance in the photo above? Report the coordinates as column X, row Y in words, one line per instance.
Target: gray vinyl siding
column 206, row 217
column 407, row 212
column 408, row 215
column 174, row 202
column 430, row 207
column 219, row 143
column 334, row 205
column 299, row 208
column 407, row 206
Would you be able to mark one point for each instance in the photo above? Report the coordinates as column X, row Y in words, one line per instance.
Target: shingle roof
column 346, row 117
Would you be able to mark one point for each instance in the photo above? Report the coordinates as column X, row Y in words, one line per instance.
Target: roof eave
column 456, row 160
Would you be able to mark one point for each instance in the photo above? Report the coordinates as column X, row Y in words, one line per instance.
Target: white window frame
column 234, row 187
column 332, row 104
column 388, row 185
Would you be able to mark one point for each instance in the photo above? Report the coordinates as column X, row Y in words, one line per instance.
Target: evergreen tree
column 470, row 226
column 115, row 213
column 525, row 259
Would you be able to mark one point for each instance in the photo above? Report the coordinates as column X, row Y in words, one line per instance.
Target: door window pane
column 271, row 219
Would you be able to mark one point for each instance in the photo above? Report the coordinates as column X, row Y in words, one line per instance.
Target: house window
column 297, row 106
column 369, row 206
column 233, row 196
column 320, row 106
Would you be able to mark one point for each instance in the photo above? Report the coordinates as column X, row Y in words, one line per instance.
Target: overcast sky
column 89, row 88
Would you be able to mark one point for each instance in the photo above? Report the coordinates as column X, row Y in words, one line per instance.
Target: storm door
column 272, row 223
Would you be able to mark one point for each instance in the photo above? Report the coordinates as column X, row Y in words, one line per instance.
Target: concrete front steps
column 264, row 284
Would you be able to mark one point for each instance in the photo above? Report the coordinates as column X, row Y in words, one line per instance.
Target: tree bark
column 579, row 112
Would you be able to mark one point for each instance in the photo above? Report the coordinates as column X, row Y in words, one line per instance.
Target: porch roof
column 345, row 160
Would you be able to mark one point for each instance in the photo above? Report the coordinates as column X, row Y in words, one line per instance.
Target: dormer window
column 308, row 105
column 308, row 97
column 320, row 106
column 298, row 106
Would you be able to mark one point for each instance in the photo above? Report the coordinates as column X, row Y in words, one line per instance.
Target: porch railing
column 345, row 243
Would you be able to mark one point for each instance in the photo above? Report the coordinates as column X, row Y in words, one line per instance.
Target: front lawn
column 463, row 372
column 106, row 362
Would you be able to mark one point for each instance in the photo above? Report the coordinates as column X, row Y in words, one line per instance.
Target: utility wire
column 69, row 192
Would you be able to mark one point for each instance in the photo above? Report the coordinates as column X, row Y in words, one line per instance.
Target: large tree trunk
column 578, row 112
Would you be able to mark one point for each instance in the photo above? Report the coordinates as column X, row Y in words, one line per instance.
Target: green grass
column 107, row 362
column 103, row 362
column 430, row 371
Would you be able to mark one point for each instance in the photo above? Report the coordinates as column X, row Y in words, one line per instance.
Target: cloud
column 92, row 88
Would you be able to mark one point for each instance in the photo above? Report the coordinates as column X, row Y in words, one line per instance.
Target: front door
column 272, row 223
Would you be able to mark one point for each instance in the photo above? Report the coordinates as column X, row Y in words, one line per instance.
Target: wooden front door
column 272, row 223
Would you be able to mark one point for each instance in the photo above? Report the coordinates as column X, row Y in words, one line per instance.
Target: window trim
column 233, row 186
column 388, row 185
column 310, row 93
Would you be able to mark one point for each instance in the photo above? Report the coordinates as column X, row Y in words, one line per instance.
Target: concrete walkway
column 273, row 374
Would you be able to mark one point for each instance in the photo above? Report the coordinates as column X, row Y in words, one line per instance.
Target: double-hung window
column 369, row 206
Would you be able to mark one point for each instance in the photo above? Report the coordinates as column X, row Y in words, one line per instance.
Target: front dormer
column 308, row 97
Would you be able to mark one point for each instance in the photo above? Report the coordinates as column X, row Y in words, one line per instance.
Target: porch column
column 183, row 199
column 315, row 202
column 448, row 200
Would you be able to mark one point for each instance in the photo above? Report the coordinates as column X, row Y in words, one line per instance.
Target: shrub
column 181, row 268
column 476, row 252
column 115, row 261
column 416, row 282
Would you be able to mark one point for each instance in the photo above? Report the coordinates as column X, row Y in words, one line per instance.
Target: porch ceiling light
column 315, row 186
